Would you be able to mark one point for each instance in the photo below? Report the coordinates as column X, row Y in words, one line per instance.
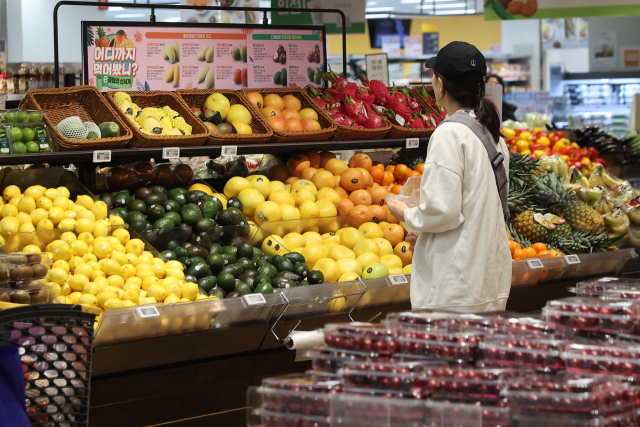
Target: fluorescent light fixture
column 455, row 12
column 446, row 6
column 372, row 3
column 175, row 19
column 130, row 15
column 115, row 8
column 380, row 9
column 410, row 1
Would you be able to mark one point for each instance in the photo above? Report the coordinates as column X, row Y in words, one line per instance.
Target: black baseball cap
column 459, row 60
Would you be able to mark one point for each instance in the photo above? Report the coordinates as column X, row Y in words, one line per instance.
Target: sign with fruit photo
column 161, row 57
column 545, row 9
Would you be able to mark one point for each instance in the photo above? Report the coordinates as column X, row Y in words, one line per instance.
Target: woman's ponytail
column 488, row 116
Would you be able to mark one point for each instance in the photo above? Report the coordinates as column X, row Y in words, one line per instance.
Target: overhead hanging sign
column 353, row 10
column 147, row 56
column 544, row 9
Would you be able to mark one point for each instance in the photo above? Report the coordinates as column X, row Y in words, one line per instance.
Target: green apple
column 375, row 270
column 16, row 134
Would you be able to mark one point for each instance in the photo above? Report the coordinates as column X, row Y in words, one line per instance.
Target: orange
column 396, row 189
column 403, row 251
column 377, row 173
column 378, row 195
column 276, row 122
column 292, row 125
column 368, row 180
column 322, row 179
column 530, row 252
column 554, row 253
column 518, row 254
column 314, row 158
column 539, row 247
column 377, row 212
column 308, row 173
column 419, row 168
column 271, row 112
column 292, row 103
column 297, row 163
column 360, row 160
column 541, row 253
column 360, row 197
column 359, row 215
column 335, row 166
column 341, row 191
column 325, row 156
column 345, row 206
column 388, row 178
column 352, row 179
column 390, row 168
column 512, row 246
column 401, row 171
column 390, row 218
column 273, row 100
column 310, row 124
column 256, row 99
column 413, row 173
column 517, row 246
column 288, row 113
column 393, row 233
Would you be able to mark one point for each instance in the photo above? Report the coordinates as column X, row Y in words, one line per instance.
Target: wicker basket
column 83, row 101
column 347, row 133
column 327, row 125
column 403, row 132
column 159, row 99
column 261, row 129
column 415, row 91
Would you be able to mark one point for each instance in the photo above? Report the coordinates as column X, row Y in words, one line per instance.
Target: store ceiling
column 376, row 8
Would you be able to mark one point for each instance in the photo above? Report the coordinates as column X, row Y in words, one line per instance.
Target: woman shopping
column 461, row 258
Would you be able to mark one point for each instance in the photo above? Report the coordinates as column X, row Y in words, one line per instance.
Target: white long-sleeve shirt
column 461, row 261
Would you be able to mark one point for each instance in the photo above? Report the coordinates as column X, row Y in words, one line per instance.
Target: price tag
column 100, row 156
column 4, row 143
column 572, row 259
column 398, row 279
column 254, row 299
column 534, row 264
column 400, row 120
column 413, row 142
column 145, row 312
column 170, row 153
column 229, row 150
column 42, row 139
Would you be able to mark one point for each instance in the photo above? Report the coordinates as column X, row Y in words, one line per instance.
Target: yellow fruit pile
column 95, row 261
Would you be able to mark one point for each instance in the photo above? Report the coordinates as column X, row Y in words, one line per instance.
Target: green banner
column 353, row 9
column 548, row 9
column 113, row 82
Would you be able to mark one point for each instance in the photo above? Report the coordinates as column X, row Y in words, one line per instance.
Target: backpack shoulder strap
column 495, row 157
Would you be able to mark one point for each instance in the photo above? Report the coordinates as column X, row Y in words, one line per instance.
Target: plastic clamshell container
column 631, row 292
column 41, row 137
column 594, row 315
column 320, row 383
column 26, row 284
column 522, row 351
column 607, row 358
column 550, row 419
column 326, row 359
column 26, row 266
column 390, row 384
column 441, row 320
column 7, row 117
column 572, row 392
column 596, row 287
column 26, row 296
column 322, row 299
column 458, row 347
column 361, row 337
column 265, row 418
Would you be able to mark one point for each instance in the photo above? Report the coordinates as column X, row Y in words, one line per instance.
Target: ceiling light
column 115, row 8
column 130, row 15
column 380, row 9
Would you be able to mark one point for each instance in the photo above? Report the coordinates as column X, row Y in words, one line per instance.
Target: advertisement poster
column 142, row 56
column 218, row 16
column 391, row 45
column 546, row 9
column 353, row 10
column 630, row 57
column 604, row 49
column 567, row 33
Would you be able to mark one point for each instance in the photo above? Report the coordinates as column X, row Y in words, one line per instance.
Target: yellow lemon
column 61, row 264
column 395, row 270
column 277, row 186
column 311, row 237
column 85, row 201
column 74, row 262
column 44, row 203
column 26, row 228
column 23, row 217
column 113, row 241
column 309, row 209
column 86, row 214
column 119, row 248
column 15, row 200
column 174, row 272
column 169, row 281
column 235, row 185
column 31, row 249
column 101, row 229
column 99, row 210
column 366, row 258
column 64, row 192
column 172, row 299
column 302, row 195
column 10, row 210
column 406, row 269
column 116, row 220
column 84, row 225
column 289, row 212
column 79, row 248
column 132, row 259
column 84, row 270
column 110, row 267
column 339, row 252
column 58, row 275
column 350, row 265
column 157, row 261
column 9, row 225
column 35, row 192
column 88, row 299
column 313, row 253
column 11, row 191
column 87, row 238
column 44, row 225
column 122, row 235
column 157, row 291
column 74, row 297
column 95, row 287
column 384, row 245
column 349, row 276
column 134, row 246
column 27, row 204
column 366, row 245
column 159, row 271
column 145, row 258
column 267, row 211
column 305, row 184
column 112, row 303
column 56, row 215
column 129, row 269
column 293, row 240
column 189, row 290
column 370, row 230
column 274, row 245
column 78, row 282
column 391, row 261
column 69, row 214
column 55, row 289
column 65, row 289
column 173, row 289
column 116, row 281
column 147, row 282
column 51, row 193
column 282, row 197
column 326, row 208
column 147, row 300
column 62, row 203
column 120, row 258
column 330, row 194
column 66, row 224
column 68, row 237
column 89, row 257
column 105, row 295
column 102, row 250
column 63, row 252
column 350, row 237
column 329, row 269
column 132, row 286
column 174, row 265
column 131, row 295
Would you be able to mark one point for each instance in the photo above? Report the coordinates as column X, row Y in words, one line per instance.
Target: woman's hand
column 412, row 238
column 397, row 209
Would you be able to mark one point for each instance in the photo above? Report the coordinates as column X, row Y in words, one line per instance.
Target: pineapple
column 563, row 229
column 103, row 39
column 517, row 237
column 581, row 242
column 552, row 195
column 531, row 229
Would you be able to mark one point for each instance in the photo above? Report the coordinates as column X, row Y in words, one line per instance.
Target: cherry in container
column 524, row 351
column 299, row 393
column 596, row 288
column 595, row 315
column 274, row 419
column 457, row 347
column 439, row 320
column 363, row 337
column 606, row 358
column 392, row 380
column 331, row 359
column 629, row 292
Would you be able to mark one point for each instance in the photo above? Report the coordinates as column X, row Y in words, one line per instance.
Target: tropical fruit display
column 285, row 113
column 154, row 121
column 74, row 128
column 219, row 116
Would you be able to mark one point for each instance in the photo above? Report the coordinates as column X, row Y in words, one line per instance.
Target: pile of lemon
column 345, row 255
column 95, row 261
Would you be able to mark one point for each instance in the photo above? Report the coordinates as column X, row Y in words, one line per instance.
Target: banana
column 584, row 182
column 634, row 216
column 554, row 168
column 611, row 221
column 633, row 239
column 609, row 181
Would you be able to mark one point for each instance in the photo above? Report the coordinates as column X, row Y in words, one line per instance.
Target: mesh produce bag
column 73, row 128
column 92, row 127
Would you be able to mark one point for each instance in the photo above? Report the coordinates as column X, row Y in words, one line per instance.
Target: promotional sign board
column 148, row 56
column 353, row 10
column 567, row 33
column 545, row 9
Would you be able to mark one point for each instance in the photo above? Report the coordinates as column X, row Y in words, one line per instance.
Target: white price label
column 572, row 259
column 534, row 264
column 398, row 279
column 400, row 120
column 229, row 150
column 43, row 146
column 170, row 153
column 100, row 156
column 380, row 108
column 254, row 299
column 413, row 142
column 145, row 312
